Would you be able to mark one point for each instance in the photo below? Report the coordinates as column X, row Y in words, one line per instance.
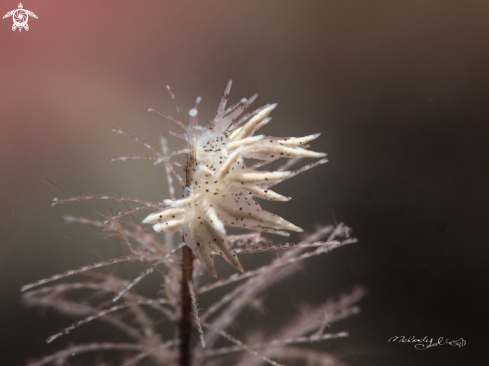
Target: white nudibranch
column 221, row 188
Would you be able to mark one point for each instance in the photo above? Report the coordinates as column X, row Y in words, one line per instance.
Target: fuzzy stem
column 186, row 307
column 185, row 325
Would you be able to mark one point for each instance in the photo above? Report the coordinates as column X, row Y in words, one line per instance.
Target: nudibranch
column 221, row 187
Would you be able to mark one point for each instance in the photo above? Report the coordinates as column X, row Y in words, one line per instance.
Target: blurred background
column 399, row 90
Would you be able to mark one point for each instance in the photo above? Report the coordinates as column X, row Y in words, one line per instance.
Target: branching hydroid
column 222, row 182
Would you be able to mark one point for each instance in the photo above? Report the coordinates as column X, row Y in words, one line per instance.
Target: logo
column 20, row 17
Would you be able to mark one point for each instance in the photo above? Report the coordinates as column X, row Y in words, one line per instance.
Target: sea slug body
column 221, row 188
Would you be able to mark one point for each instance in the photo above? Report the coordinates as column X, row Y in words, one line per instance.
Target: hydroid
column 225, row 177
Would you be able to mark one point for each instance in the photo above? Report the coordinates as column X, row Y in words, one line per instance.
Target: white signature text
column 427, row 342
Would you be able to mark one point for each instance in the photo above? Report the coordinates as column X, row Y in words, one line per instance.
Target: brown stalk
column 185, row 324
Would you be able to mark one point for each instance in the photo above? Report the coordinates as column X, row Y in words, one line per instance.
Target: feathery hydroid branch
column 220, row 190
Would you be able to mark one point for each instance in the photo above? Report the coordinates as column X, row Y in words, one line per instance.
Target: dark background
column 399, row 90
